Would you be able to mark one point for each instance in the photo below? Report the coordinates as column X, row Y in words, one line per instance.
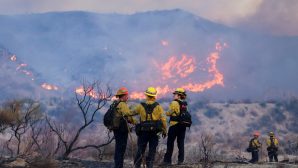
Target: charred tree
column 23, row 114
column 89, row 99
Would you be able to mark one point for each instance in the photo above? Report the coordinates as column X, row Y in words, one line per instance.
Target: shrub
column 263, row 104
column 211, row 112
column 241, row 113
column 292, row 105
column 43, row 162
column 277, row 115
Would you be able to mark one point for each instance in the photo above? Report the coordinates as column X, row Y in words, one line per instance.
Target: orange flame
column 49, row 86
column 21, row 66
column 164, row 42
column 137, row 95
column 161, row 91
column 218, row 76
column 13, row 58
column 90, row 92
column 174, row 67
column 180, row 68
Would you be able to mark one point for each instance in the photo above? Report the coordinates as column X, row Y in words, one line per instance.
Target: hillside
column 130, row 49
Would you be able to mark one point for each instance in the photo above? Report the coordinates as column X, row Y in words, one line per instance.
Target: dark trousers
column 272, row 155
column 179, row 132
column 120, row 147
column 254, row 156
column 143, row 139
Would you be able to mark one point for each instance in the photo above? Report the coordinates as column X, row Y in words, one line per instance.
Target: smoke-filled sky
column 271, row 16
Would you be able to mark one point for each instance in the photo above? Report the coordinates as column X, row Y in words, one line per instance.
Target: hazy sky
column 276, row 16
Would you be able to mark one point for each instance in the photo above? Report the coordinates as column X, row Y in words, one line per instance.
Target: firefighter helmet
column 122, row 91
column 151, row 91
column 180, row 91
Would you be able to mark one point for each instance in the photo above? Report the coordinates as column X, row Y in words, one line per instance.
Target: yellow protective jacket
column 174, row 110
column 274, row 140
column 124, row 111
column 157, row 114
column 255, row 143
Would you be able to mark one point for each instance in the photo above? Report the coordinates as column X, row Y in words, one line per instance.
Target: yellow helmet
column 180, row 91
column 271, row 134
column 151, row 91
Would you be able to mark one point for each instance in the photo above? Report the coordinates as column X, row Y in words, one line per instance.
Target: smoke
column 270, row 16
column 124, row 50
column 273, row 16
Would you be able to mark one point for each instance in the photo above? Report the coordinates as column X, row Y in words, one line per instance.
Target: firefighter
column 121, row 134
column 255, row 145
column 272, row 147
column 176, row 130
column 152, row 121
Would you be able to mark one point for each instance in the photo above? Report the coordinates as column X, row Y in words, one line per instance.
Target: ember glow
column 13, row 58
column 21, row 66
column 49, row 86
column 164, row 42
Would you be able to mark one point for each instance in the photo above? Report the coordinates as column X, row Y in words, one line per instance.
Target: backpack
column 184, row 118
column 272, row 147
column 149, row 125
column 250, row 148
column 109, row 117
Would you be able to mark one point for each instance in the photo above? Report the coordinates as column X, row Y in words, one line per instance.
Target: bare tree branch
column 90, row 101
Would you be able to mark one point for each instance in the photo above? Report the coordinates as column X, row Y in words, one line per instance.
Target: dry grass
column 43, row 162
column 7, row 117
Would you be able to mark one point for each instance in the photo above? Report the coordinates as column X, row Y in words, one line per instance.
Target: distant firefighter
column 272, row 147
column 254, row 145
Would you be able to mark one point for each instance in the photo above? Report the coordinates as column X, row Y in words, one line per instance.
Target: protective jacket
column 123, row 110
column 157, row 114
column 174, row 110
column 255, row 144
column 272, row 144
column 122, row 113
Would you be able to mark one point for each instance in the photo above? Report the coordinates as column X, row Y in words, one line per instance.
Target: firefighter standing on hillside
column 255, row 144
column 272, row 147
column 121, row 133
column 151, row 113
column 176, row 129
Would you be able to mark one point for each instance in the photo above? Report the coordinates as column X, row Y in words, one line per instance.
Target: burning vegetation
column 180, row 69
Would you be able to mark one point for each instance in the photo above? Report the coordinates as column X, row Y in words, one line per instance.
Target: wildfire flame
column 185, row 67
column 90, row 92
column 217, row 80
column 174, row 67
column 160, row 90
column 164, row 42
column 13, row 58
column 21, row 66
column 49, row 86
